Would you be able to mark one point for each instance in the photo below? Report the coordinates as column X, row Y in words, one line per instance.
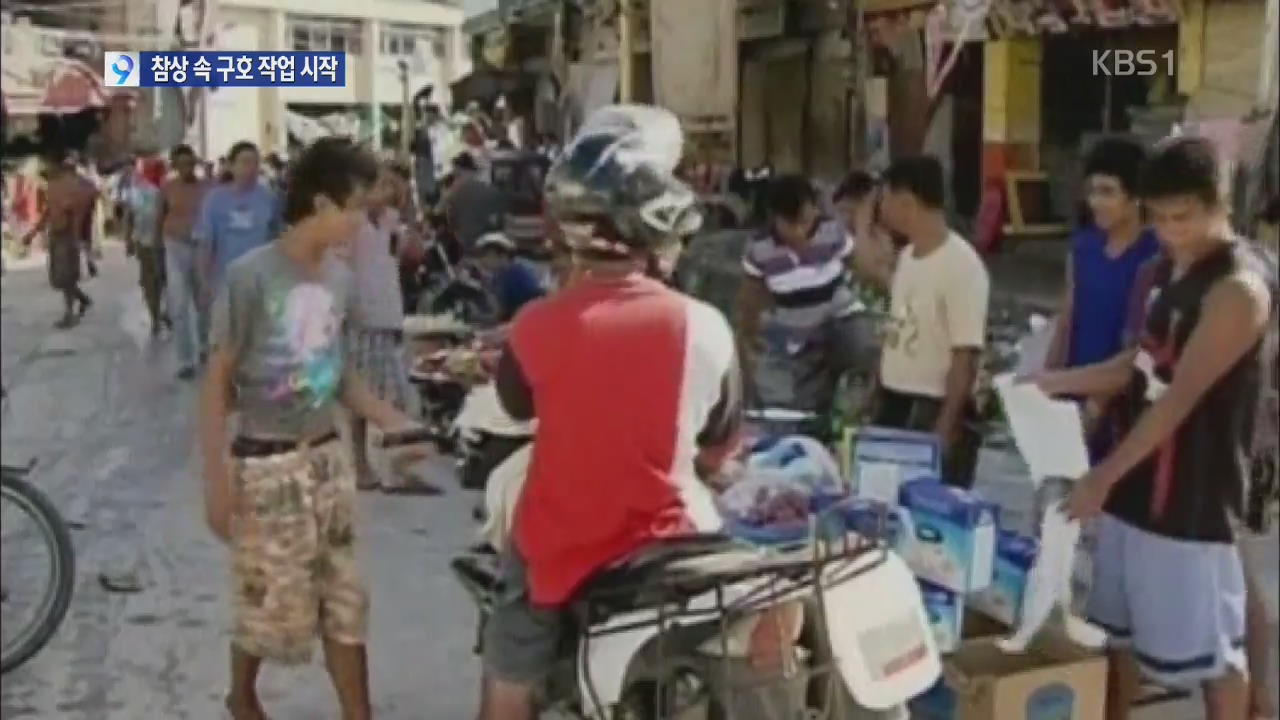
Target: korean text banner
column 224, row 68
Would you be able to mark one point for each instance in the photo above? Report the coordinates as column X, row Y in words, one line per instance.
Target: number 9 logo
column 123, row 66
column 120, row 69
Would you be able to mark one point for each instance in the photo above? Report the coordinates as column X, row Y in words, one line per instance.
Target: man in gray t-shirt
column 284, row 501
column 287, row 328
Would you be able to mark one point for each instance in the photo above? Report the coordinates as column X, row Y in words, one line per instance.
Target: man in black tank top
column 1168, row 583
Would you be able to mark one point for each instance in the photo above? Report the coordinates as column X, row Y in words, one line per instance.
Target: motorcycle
column 661, row 634
column 450, row 361
column 459, row 293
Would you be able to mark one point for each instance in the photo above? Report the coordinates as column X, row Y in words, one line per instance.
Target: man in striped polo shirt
column 797, row 289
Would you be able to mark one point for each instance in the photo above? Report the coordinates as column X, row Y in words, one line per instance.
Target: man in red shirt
column 635, row 388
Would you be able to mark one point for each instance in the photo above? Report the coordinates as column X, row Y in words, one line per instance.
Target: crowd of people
column 291, row 293
column 1166, row 336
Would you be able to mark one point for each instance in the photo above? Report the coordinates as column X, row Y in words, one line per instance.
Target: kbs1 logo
column 1128, row 63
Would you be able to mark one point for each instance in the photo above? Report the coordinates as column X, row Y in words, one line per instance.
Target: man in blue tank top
column 1106, row 254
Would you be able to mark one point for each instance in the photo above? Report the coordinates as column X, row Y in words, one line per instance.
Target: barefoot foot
column 245, row 709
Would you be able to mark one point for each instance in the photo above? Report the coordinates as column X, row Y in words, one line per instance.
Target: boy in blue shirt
column 511, row 280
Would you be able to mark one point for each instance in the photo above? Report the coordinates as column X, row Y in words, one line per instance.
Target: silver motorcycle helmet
column 614, row 190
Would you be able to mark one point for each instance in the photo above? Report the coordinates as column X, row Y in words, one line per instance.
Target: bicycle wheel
column 32, row 526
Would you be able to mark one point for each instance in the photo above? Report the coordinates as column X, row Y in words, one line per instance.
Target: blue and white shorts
column 1179, row 605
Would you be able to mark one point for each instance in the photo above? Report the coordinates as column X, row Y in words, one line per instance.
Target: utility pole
column 1266, row 92
column 406, row 112
column 856, row 19
column 626, row 55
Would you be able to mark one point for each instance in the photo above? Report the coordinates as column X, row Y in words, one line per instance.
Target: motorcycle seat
column 662, row 574
column 652, row 576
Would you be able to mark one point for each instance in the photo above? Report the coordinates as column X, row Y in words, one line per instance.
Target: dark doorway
column 965, row 85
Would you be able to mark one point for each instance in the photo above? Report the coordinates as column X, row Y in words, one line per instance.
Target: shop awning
column 996, row 19
column 880, row 6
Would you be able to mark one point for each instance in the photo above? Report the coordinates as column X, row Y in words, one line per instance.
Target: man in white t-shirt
column 937, row 329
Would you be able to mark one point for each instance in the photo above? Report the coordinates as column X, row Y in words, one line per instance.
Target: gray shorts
column 520, row 639
column 1178, row 604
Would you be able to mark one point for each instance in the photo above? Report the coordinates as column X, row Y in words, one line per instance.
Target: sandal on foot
column 415, row 487
column 127, row 583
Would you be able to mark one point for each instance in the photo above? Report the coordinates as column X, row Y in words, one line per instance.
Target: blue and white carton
column 937, row 703
column 948, row 535
column 946, row 615
column 1002, row 599
column 885, row 458
column 872, row 519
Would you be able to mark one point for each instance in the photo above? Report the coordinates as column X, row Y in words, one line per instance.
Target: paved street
column 113, row 432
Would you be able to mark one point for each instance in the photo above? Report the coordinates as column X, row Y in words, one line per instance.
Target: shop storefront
column 1010, row 93
column 515, row 52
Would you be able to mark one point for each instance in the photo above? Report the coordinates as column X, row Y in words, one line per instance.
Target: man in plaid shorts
column 284, row 502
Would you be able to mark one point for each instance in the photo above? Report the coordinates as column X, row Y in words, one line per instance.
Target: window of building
column 325, row 35
column 51, row 45
column 403, row 41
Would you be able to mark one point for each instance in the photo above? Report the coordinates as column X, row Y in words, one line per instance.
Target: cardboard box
column 880, row 460
column 1002, row 599
column 948, row 535
column 1054, row 680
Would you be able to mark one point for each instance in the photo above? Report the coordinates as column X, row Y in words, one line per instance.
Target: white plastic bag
column 800, row 459
column 1049, row 584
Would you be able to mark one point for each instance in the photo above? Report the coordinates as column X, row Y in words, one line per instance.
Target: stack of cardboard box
column 973, row 578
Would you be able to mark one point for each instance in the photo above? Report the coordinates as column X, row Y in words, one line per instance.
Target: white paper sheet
column 1049, row 433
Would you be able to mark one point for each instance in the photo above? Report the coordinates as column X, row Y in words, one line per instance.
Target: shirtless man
column 67, row 206
column 90, row 230
column 180, row 203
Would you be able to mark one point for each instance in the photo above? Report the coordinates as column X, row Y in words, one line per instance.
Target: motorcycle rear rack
column 800, row 580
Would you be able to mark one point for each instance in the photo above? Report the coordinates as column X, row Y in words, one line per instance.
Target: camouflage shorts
column 294, row 570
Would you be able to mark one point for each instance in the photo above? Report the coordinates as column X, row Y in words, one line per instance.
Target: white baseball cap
column 495, row 239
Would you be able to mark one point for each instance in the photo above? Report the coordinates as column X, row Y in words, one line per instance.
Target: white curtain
column 166, row 22
column 695, row 58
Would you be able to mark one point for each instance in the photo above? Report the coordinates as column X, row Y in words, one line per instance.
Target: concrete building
column 395, row 48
